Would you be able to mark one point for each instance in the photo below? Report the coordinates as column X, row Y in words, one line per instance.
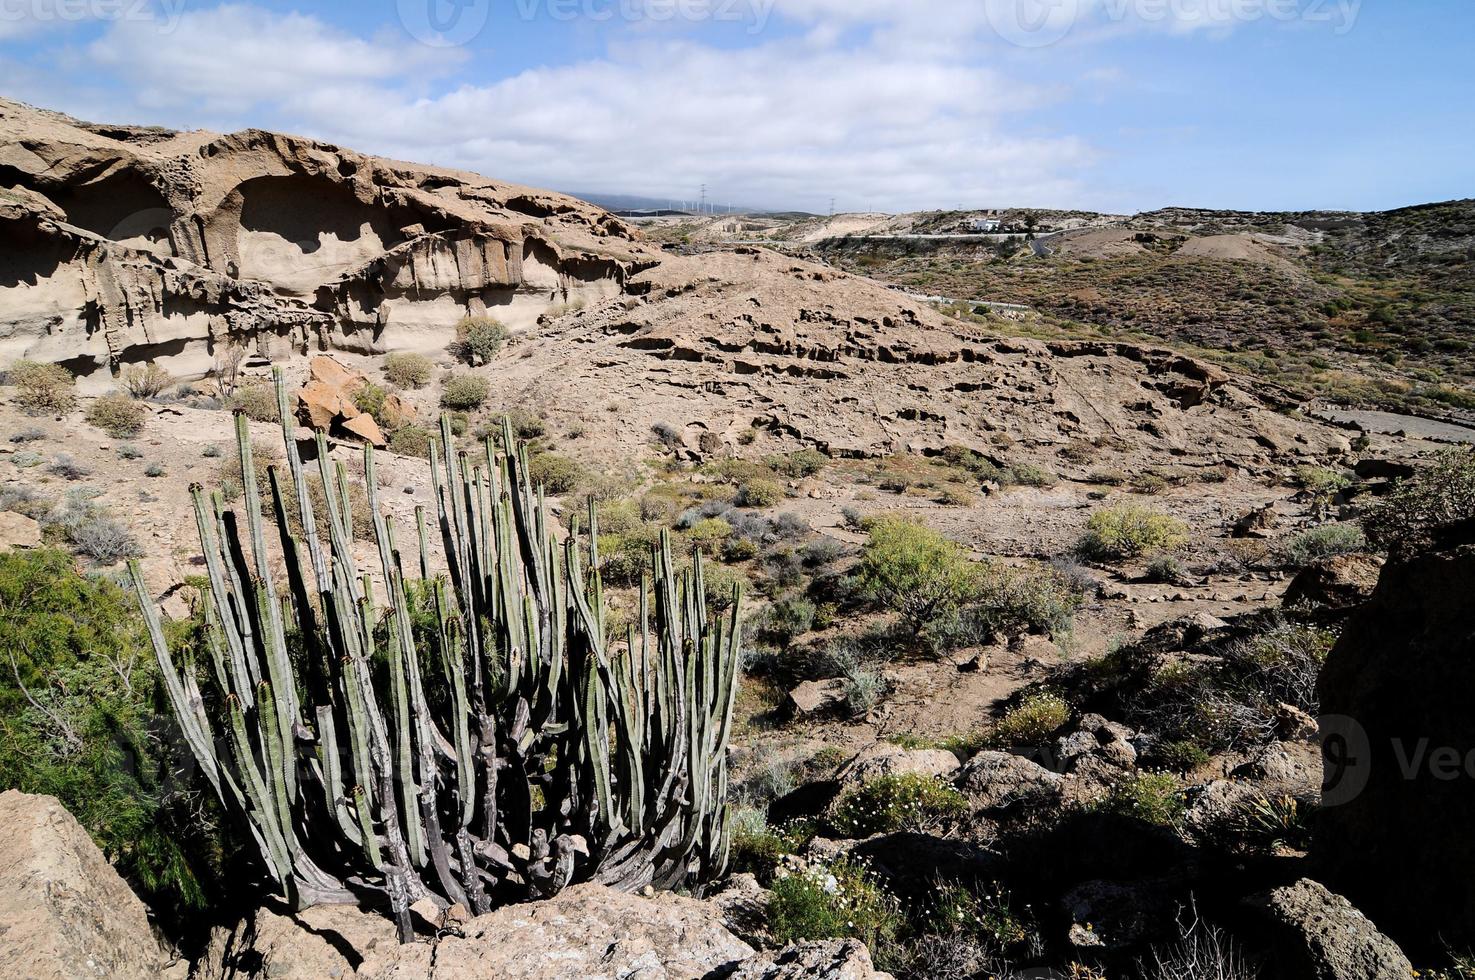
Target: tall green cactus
column 475, row 737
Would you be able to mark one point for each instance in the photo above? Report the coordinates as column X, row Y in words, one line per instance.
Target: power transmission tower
column 832, row 207
column 703, row 207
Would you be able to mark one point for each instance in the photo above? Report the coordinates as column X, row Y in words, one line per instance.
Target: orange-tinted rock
column 364, row 426
column 318, row 405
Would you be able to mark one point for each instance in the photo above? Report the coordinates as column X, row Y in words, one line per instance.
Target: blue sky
column 1114, row 105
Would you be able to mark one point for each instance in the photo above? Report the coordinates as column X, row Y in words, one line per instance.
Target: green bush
column 888, row 804
column 797, row 466
column 257, row 401
column 759, row 849
column 526, row 424
column 915, row 571
column 77, row 721
column 1325, row 541
column 408, row 370
column 839, row 900
column 478, row 339
column 1035, row 598
column 1128, row 531
column 709, row 535
column 788, row 619
column 1183, row 755
column 1032, row 476
column 43, row 387
column 1441, row 493
column 465, row 392
column 1031, row 722
column 412, row 440
column 1152, row 797
column 556, row 474
column 1166, row 570
column 369, row 397
column 117, row 415
column 759, row 493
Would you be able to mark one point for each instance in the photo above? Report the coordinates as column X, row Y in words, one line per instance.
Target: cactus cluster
column 474, row 736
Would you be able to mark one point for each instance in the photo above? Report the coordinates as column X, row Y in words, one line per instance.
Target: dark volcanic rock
column 1399, row 733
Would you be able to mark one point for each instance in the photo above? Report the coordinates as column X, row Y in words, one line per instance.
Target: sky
column 878, row 105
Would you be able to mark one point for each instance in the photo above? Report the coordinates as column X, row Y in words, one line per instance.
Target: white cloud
column 234, row 57
column 785, row 121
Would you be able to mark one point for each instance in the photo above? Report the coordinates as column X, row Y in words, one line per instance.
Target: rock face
column 995, row 780
column 64, row 912
column 128, row 245
column 885, row 759
column 1335, row 584
column 1316, row 935
column 18, row 531
column 1399, row 793
column 587, row 932
column 837, row 960
column 131, row 245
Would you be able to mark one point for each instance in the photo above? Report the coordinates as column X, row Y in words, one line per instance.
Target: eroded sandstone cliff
column 122, row 244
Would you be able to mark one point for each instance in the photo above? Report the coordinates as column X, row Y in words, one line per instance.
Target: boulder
column 318, row 405
column 65, row 914
column 327, row 402
column 1099, row 739
column 397, row 411
column 995, row 780
column 1285, row 769
column 1314, row 934
column 332, row 373
column 833, row 960
column 18, row 531
column 587, row 931
column 1259, row 523
column 1336, row 584
column 364, row 426
column 1382, row 469
column 1398, row 795
column 328, row 941
column 743, row 905
column 886, row 759
column 593, row 932
column 816, row 697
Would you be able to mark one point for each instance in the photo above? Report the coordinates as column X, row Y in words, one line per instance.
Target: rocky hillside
column 123, row 245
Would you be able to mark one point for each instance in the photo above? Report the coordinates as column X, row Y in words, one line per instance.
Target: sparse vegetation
column 465, row 392
column 1318, row 543
column 118, row 415
column 43, row 388
column 759, row 493
column 257, row 400
column 915, row 571
column 1441, row 493
column 408, row 370
column 1152, row 797
column 835, row 900
column 1031, row 722
column 1129, row 531
column 887, row 804
column 146, row 380
column 478, row 340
